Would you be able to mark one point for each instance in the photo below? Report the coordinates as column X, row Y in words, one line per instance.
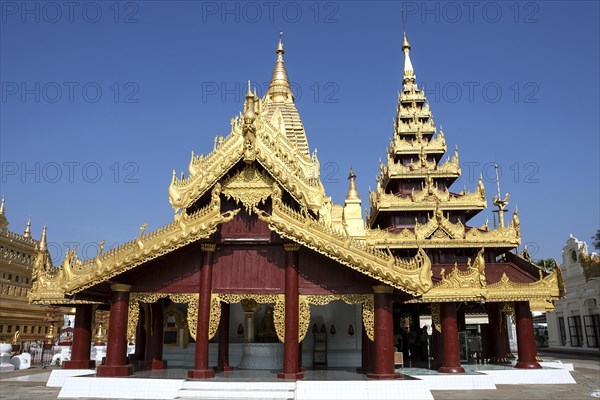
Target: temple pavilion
column 259, row 259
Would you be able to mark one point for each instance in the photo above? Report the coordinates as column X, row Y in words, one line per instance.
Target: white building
column 575, row 322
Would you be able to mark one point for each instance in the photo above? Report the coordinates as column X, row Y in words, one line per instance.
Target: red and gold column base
column 451, row 370
column 159, row 364
column 528, row 365
column 201, row 373
column 382, row 377
column 290, row 376
column 113, row 371
column 79, row 364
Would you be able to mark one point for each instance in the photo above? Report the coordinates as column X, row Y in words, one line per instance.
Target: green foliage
column 548, row 263
column 596, row 240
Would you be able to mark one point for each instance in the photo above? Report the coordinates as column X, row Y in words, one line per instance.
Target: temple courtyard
column 32, row 384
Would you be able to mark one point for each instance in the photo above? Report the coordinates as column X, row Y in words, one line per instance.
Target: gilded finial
column 409, row 72
column 405, row 44
column 43, row 243
column 249, row 92
column 352, row 192
column 279, row 88
column 27, row 232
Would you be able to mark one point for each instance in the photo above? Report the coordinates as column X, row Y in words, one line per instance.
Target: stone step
column 239, row 385
column 237, row 395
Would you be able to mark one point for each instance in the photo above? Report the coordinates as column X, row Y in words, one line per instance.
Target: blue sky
column 102, row 100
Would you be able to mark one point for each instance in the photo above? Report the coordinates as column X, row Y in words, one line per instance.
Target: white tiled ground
column 457, row 381
column 58, row 376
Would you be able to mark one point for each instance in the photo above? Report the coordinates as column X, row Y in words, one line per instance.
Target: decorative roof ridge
column 412, row 275
column 74, row 275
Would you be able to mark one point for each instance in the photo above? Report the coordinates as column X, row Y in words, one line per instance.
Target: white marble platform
column 471, row 381
column 544, row 376
column 58, row 376
column 362, row 390
column 120, row 388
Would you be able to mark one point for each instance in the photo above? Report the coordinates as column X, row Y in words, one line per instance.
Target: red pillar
column 525, row 336
column 384, row 335
column 154, row 344
column 201, row 370
column 223, row 361
column 82, row 339
column 116, row 348
column 450, row 347
column 291, row 368
column 499, row 334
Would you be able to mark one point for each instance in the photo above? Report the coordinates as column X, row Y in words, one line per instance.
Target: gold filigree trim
column 412, row 275
column 191, row 299
column 366, row 300
column 74, row 275
column 249, row 186
column 261, row 298
column 435, row 317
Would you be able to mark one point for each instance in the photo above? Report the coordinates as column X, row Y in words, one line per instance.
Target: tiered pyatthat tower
column 413, row 205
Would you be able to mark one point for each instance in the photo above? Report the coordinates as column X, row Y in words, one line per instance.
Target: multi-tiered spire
column 412, row 199
column 280, row 106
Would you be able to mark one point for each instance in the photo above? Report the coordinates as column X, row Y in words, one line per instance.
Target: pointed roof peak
column 249, row 92
column 27, row 232
column 280, row 49
column 352, row 192
column 279, row 89
column 405, row 44
column 43, row 243
column 409, row 72
column 3, row 219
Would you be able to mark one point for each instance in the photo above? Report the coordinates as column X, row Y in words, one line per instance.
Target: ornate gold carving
column 132, row 321
column 291, row 246
column 209, row 247
column 412, row 275
column 590, row 264
column 435, row 317
column 191, row 299
column 471, row 285
column 399, row 145
column 249, row 186
column 279, row 317
column 192, row 315
column 420, row 168
column 215, row 315
column 509, row 309
column 439, row 232
column 258, row 137
column 261, row 298
column 366, row 300
column 303, row 319
column 428, row 198
column 52, row 284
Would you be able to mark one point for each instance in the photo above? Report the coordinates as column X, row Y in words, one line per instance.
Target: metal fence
column 40, row 352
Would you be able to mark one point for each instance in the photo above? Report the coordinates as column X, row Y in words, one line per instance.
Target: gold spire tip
column 405, row 43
